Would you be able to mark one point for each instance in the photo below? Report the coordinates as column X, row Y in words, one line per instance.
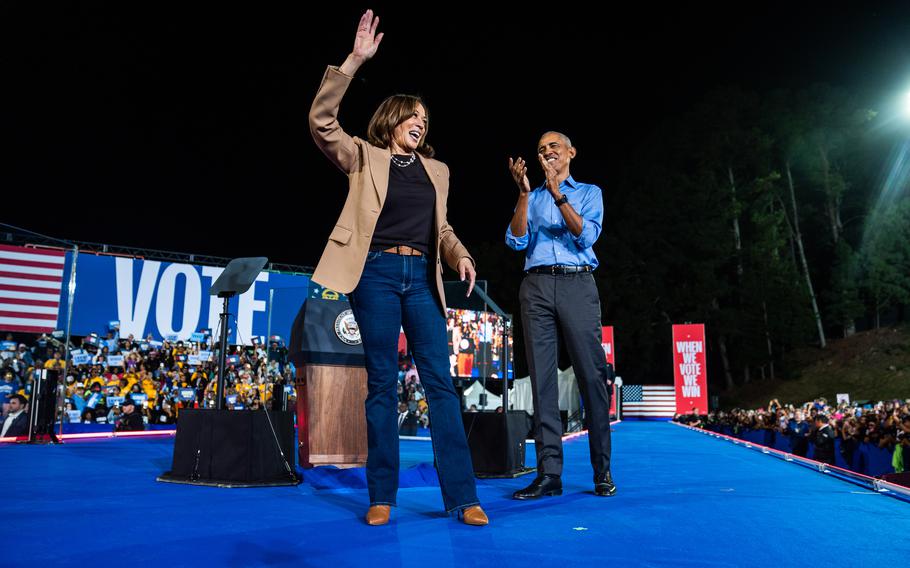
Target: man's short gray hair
column 561, row 135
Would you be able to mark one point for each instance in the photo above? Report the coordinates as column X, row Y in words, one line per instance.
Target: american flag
column 648, row 401
column 30, row 284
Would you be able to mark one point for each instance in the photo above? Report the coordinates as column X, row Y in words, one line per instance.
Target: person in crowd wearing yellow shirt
column 55, row 363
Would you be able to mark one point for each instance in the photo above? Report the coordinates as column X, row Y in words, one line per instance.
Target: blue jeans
column 394, row 292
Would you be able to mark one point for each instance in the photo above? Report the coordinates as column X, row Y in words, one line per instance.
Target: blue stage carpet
column 684, row 500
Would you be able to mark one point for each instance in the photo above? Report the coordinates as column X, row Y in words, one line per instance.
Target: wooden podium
column 331, row 424
column 331, row 382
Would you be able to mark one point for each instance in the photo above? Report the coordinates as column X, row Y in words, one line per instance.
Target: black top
column 131, row 422
column 407, row 215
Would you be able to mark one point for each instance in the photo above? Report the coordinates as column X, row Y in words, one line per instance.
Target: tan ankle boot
column 378, row 515
column 474, row 516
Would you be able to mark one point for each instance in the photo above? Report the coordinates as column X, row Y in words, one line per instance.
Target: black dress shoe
column 545, row 484
column 603, row 485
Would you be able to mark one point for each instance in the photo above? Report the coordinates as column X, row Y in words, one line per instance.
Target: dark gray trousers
column 566, row 305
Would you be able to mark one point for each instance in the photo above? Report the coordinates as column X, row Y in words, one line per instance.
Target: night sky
column 187, row 130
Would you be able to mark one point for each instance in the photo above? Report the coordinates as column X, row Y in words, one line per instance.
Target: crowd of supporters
column 110, row 379
column 885, row 425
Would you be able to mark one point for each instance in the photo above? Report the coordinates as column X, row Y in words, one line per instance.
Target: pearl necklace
column 403, row 163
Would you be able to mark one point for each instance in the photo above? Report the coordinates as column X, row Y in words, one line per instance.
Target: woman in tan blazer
column 386, row 253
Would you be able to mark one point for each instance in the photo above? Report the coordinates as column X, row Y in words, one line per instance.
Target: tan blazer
column 367, row 168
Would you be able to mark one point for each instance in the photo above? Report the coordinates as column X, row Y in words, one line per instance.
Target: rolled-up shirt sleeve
column 592, row 214
column 516, row 243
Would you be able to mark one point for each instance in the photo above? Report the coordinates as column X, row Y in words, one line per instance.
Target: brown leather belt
column 404, row 250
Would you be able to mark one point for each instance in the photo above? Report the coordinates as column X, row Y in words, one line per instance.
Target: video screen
column 476, row 344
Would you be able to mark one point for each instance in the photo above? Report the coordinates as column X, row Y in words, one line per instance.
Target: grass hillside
column 872, row 365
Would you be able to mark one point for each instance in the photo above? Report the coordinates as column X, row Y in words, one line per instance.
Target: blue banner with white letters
column 165, row 299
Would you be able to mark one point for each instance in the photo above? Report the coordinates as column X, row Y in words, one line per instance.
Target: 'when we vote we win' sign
column 689, row 368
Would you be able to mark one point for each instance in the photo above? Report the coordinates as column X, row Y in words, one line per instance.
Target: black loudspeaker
column 492, row 454
column 233, row 448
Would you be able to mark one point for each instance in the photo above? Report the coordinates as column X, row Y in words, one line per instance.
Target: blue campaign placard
column 93, row 400
column 83, row 359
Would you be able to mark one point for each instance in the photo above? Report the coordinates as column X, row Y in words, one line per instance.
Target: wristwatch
column 561, row 200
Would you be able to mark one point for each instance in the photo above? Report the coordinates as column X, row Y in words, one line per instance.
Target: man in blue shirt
column 798, row 431
column 112, row 341
column 557, row 225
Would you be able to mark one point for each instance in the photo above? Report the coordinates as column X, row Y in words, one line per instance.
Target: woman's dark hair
column 392, row 112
